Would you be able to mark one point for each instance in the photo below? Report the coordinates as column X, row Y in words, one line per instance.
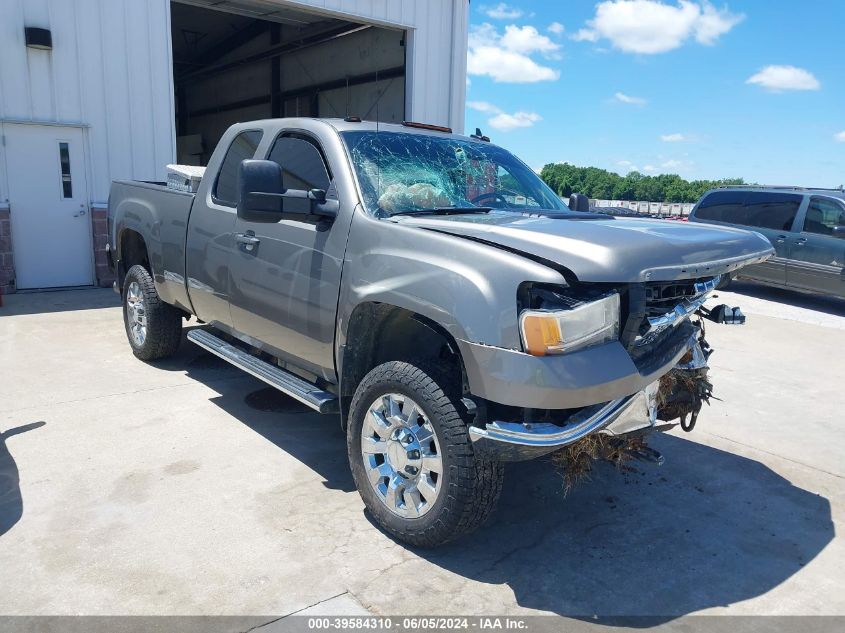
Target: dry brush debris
column 575, row 461
column 680, row 395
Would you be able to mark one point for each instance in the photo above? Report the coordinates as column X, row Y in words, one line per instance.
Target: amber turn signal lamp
column 540, row 333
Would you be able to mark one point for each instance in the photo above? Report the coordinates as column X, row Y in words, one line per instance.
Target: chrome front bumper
column 515, row 441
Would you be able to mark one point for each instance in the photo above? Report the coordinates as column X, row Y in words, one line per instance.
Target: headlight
column 560, row 331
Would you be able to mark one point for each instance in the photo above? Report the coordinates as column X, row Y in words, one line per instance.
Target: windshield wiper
column 443, row 211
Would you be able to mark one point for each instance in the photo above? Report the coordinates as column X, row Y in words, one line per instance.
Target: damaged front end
column 665, row 322
column 686, row 387
column 683, row 390
column 678, row 399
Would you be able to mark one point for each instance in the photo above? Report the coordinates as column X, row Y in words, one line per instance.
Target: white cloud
column 506, row 57
column 714, row 23
column 585, row 35
column 507, row 67
column 483, row 106
column 780, row 78
column 839, row 137
column 502, row 11
column 650, row 169
column 527, row 40
column 648, row 27
column 671, row 164
column 677, row 137
column 505, row 121
column 622, row 97
column 555, row 27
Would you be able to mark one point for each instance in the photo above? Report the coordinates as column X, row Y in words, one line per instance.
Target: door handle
column 801, row 241
column 781, row 239
column 80, row 212
column 249, row 241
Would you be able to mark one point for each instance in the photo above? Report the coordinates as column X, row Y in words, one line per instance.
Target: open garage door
column 240, row 60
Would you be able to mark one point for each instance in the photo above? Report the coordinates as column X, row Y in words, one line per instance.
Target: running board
column 283, row 380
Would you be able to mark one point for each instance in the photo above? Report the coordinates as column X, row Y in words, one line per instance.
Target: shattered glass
column 407, row 173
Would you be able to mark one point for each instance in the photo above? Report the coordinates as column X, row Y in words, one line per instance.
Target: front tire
column 153, row 327
column 412, row 458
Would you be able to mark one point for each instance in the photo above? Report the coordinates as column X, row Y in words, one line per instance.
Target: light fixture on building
column 37, row 38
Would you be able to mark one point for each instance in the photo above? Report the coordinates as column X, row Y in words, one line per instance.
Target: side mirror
column 311, row 202
column 579, row 202
column 320, row 205
column 263, row 197
column 260, row 191
column 724, row 314
column 838, row 231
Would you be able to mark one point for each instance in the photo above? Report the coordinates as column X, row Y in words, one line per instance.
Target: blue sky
column 752, row 89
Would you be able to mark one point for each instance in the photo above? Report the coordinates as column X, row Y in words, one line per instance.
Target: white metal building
column 96, row 90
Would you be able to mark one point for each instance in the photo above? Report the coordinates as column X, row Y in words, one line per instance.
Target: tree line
column 593, row 182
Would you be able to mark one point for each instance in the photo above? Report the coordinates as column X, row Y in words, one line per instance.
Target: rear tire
column 417, row 473
column 153, row 327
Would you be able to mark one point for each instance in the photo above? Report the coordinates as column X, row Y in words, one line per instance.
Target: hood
column 612, row 249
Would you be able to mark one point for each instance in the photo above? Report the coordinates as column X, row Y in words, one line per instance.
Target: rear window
column 757, row 209
column 774, row 211
column 722, row 206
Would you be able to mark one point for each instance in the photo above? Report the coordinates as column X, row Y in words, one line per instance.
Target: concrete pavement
column 185, row 487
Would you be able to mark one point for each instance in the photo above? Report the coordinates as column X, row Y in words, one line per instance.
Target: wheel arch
column 380, row 332
column 131, row 250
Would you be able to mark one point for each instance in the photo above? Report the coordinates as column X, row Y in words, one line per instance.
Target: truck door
column 286, row 275
column 817, row 254
column 210, row 242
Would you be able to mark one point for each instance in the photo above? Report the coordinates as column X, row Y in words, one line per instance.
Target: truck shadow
column 313, row 439
column 11, row 501
column 707, row 529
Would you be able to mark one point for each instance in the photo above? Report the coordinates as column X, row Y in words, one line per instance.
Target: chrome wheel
column 401, row 454
column 136, row 313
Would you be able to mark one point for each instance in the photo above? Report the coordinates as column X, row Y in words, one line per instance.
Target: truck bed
column 161, row 214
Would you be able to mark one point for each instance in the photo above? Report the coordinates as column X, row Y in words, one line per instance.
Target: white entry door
column 48, row 197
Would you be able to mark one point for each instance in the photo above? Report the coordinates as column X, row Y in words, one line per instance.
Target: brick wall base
column 7, row 262
column 99, row 225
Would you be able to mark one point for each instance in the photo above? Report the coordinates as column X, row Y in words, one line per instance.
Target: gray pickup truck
column 426, row 287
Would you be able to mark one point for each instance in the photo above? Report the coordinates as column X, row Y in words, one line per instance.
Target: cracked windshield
column 421, row 173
